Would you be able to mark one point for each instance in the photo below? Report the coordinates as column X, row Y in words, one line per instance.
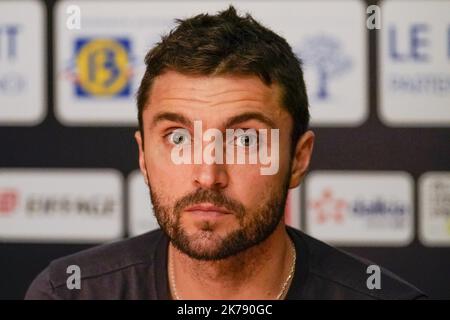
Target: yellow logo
column 102, row 67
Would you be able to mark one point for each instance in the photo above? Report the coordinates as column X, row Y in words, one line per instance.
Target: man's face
column 213, row 211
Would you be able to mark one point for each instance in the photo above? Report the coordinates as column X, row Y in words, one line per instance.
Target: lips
column 206, row 209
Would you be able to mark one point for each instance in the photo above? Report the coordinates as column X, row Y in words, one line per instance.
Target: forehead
column 213, row 96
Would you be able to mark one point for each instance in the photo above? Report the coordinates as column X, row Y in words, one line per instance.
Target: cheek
column 156, row 152
column 250, row 187
column 164, row 175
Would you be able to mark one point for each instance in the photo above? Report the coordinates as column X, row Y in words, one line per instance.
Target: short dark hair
column 227, row 43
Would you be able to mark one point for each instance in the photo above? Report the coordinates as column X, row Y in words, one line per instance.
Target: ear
column 302, row 156
column 143, row 168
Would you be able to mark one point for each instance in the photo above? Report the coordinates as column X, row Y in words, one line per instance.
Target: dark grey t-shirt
column 136, row 268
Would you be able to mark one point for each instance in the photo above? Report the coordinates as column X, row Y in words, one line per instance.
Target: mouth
column 208, row 210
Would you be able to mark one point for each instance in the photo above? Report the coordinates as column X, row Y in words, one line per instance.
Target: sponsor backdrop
column 379, row 184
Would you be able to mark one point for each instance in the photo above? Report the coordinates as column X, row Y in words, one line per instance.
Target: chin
column 205, row 238
column 204, row 244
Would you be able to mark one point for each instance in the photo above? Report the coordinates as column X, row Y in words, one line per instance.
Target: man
column 222, row 231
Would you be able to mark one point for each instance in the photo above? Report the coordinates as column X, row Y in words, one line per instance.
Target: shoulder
column 110, row 261
column 340, row 275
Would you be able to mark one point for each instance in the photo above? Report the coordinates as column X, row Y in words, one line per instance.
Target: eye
column 247, row 140
column 179, row 137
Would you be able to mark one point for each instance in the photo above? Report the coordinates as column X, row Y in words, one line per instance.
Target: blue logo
column 11, row 82
column 101, row 67
column 413, row 45
column 325, row 54
column 8, row 42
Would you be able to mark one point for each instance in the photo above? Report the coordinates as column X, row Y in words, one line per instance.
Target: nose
column 210, row 176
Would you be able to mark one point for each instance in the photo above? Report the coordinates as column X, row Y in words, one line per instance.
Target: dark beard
column 254, row 229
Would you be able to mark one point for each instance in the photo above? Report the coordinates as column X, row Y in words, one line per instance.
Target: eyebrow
column 176, row 117
column 171, row 116
column 249, row 116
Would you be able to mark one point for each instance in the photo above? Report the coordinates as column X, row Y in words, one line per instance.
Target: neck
column 256, row 273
